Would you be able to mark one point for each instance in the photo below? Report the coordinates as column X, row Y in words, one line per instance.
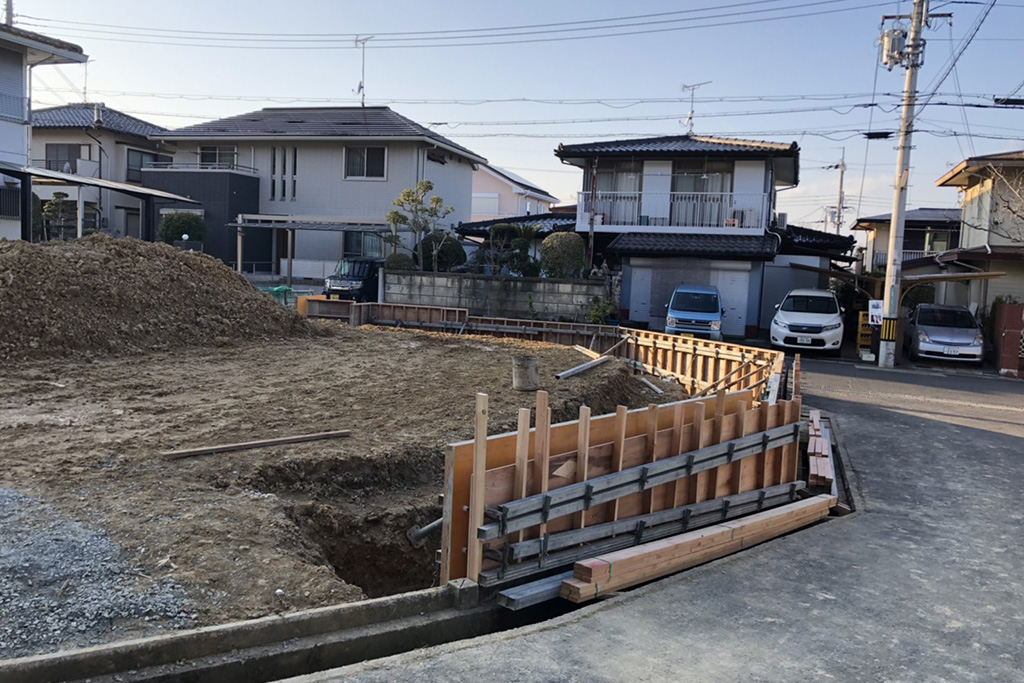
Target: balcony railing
column 61, row 165
column 881, row 258
column 10, row 202
column 704, row 210
column 198, row 166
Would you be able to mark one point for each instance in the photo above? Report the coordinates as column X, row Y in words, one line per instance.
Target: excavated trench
column 356, row 511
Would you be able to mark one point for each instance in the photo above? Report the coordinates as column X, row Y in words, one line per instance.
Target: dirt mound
column 101, row 295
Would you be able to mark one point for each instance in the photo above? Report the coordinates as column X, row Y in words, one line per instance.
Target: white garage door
column 733, row 285
column 640, row 295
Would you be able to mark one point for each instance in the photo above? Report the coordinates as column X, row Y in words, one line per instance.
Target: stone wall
column 503, row 297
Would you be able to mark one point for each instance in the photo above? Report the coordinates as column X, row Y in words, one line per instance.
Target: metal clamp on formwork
column 725, row 509
column 760, row 501
column 588, row 495
column 638, row 535
column 686, row 519
column 730, row 454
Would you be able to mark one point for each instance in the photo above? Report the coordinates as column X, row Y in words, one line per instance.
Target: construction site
column 181, row 453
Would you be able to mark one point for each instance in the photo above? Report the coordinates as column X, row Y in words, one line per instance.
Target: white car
column 808, row 319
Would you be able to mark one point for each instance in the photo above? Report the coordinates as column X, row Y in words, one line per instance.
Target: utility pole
column 9, row 13
column 837, row 217
column 911, row 57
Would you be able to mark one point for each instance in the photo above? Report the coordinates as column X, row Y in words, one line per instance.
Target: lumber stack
column 819, row 452
column 614, row 571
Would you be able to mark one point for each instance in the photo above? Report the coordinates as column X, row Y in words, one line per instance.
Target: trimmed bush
column 398, row 261
column 562, row 255
column 174, row 225
column 449, row 255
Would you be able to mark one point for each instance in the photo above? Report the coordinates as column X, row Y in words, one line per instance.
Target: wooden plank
column 740, row 471
column 582, row 459
column 621, row 569
column 476, row 496
column 701, row 436
column 248, row 445
column 791, row 452
column 650, row 454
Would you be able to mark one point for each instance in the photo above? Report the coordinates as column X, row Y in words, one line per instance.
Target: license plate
column 803, row 340
column 950, row 351
column 686, row 334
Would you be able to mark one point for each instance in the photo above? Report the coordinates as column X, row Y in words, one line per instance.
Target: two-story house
column 20, row 52
column 89, row 139
column 926, row 232
column 499, row 193
column 991, row 229
column 685, row 209
column 324, row 177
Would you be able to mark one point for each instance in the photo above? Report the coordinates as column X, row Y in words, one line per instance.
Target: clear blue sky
column 823, row 54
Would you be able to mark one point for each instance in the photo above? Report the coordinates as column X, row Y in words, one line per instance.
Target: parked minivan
column 695, row 310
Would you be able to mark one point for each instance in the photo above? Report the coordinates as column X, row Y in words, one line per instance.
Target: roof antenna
column 361, row 90
column 689, row 117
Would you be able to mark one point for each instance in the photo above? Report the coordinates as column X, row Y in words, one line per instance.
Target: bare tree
column 1004, row 188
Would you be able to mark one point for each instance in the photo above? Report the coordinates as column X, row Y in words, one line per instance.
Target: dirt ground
column 275, row 529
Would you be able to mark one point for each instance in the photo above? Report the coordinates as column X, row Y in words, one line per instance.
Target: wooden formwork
column 541, row 482
column 595, row 337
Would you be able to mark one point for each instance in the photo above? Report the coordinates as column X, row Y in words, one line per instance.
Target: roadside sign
column 875, row 312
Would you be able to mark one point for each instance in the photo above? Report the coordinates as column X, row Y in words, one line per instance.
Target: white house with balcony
column 20, row 52
column 684, row 209
column 92, row 140
column 316, row 182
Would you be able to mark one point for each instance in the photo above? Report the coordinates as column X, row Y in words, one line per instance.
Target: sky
column 510, row 81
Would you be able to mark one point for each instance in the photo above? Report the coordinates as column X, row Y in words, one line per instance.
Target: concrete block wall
column 509, row 297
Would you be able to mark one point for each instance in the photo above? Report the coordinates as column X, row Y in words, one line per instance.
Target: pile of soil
column 103, row 296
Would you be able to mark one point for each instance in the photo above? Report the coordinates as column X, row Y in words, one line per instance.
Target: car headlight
column 923, row 336
column 716, row 324
column 836, row 326
column 327, row 283
column 781, row 326
column 979, row 340
column 671, row 322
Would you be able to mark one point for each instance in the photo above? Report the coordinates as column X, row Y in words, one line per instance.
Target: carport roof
column 742, row 247
column 138, row 191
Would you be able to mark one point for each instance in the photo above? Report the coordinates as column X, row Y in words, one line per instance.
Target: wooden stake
column 522, row 454
column 698, row 482
column 477, row 489
column 542, row 447
column 740, row 469
column 618, row 447
column 652, row 453
column 582, row 459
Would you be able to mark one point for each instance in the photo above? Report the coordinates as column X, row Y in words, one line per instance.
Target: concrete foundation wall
column 509, row 297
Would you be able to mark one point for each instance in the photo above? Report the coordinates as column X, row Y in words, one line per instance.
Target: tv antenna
column 689, row 117
column 361, row 90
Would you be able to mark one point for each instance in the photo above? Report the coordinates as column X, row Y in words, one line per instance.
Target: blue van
column 695, row 310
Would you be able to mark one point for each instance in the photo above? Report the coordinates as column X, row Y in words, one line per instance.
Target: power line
column 380, row 44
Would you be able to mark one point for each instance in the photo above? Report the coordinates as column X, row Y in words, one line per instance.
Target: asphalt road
column 923, row 583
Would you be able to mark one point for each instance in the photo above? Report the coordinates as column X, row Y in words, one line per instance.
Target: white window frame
column 344, row 164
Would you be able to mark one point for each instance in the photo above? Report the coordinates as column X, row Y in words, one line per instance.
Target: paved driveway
column 923, row 583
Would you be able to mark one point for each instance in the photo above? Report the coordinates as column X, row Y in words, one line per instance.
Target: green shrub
column 449, row 252
column 562, row 255
column 399, row 261
column 174, row 225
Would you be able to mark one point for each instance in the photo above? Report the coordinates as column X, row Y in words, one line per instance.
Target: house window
column 485, row 203
column 362, row 244
column 138, row 160
column 64, row 158
column 365, row 162
column 218, row 156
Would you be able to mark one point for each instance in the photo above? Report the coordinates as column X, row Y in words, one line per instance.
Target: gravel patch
column 65, row 586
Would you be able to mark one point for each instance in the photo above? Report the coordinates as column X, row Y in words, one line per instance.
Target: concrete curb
column 357, row 631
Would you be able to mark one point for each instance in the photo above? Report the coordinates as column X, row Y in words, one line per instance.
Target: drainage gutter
column 272, row 648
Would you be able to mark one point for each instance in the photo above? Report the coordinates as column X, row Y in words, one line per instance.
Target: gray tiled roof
column 745, row 247
column 313, row 121
column 547, row 222
column 676, row 144
column 40, row 38
column 925, row 215
column 84, row 115
column 817, row 239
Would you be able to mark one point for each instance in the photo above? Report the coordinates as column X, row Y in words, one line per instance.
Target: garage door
column 640, row 295
column 734, row 286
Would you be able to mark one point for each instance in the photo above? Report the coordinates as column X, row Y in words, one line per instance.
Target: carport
column 147, row 197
